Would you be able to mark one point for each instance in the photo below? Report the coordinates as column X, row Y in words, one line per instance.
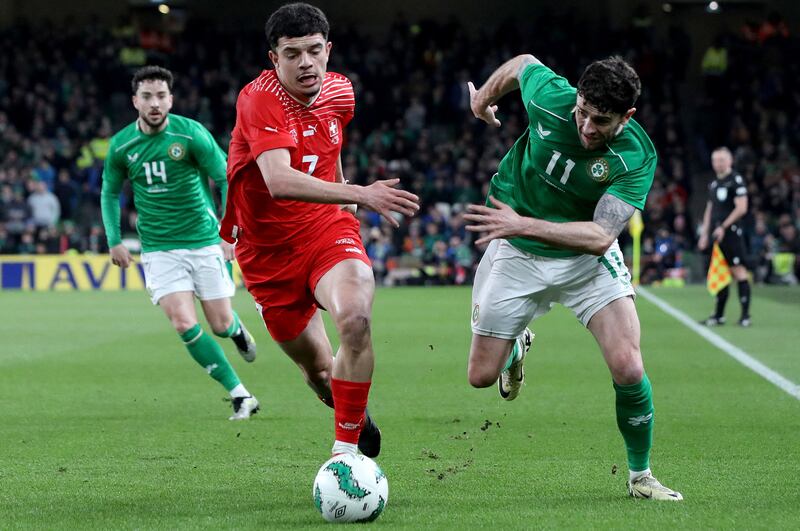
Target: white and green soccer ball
column 350, row 488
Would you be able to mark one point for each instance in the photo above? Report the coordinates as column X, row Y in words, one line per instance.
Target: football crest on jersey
column 333, row 129
column 176, row 151
column 598, row 169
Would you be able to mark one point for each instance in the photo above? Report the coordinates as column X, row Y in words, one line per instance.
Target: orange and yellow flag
column 719, row 274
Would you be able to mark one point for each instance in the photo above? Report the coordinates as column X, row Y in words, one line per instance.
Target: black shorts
column 732, row 246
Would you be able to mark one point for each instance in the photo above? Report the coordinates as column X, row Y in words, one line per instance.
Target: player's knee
column 354, row 329
column 219, row 324
column 479, row 377
column 182, row 324
column 630, row 372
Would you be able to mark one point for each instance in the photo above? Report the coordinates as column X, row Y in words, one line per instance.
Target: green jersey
column 549, row 175
column 169, row 174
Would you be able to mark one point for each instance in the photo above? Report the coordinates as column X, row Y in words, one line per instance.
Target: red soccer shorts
column 282, row 282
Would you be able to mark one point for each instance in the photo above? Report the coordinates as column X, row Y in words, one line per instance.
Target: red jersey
column 267, row 117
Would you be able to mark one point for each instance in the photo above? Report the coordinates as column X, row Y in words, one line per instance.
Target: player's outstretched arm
column 352, row 207
column 284, row 182
column 501, row 82
column 589, row 237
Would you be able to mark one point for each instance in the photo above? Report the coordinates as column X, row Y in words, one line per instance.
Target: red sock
column 350, row 399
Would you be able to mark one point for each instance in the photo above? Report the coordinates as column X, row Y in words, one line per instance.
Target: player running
column 560, row 198
column 726, row 206
column 168, row 159
column 299, row 250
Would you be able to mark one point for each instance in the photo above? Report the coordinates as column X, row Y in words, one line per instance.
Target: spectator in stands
column 44, row 206
column 16, row 212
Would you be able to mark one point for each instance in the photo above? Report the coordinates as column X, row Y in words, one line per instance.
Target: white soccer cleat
column 511, row 379
column 244, row 407
column 648, row 487
column 246, row 345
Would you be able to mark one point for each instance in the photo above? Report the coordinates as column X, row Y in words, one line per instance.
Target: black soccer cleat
column 369, row 442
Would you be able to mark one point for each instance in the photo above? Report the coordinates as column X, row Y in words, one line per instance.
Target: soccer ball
column 350, row 488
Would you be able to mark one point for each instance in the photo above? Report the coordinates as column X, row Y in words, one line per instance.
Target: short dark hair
column 151, row 73
column 295, row 20
column 611, row 85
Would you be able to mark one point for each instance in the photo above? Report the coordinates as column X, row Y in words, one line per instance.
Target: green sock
column 210, row 356
column 512, row 356
column 635, row 421
column 233, row 329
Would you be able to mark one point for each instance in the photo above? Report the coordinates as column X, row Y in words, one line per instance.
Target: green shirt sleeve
column 538, row 82
column 211, row 161
column 633, row 186
column 113, row 175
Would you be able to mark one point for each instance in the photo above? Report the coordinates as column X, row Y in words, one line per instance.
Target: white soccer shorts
column 513, row 287
column 201, row 271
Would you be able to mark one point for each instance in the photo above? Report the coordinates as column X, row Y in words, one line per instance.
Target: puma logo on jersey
column 540, row 131
column 311, row 131
column 132, row 158
column 271, row 129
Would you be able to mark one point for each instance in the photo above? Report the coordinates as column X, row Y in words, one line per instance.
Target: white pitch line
column 734, row 352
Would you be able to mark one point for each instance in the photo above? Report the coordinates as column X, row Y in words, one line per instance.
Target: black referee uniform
column 721, row 195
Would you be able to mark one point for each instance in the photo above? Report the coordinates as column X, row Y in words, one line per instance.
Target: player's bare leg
column 313, row 354
column 180, row 310
column 493, row 359
column 487, row 356
column 225, row 322
column 347, row 291
column 616, row 329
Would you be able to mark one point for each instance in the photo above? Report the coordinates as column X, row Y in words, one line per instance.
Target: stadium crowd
column 65, row 88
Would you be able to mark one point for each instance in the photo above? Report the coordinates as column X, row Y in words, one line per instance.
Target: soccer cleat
column 744, row 322
column 245, row 344
column 713, row 321
column 648, row 487
column 511, row 379
column 369, row 441
column 244, row 407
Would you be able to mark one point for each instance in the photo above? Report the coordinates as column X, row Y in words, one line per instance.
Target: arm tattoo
column 526, row 61
column 612, row 214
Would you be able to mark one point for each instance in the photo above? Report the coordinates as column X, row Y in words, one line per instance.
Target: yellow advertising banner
column 74, row 273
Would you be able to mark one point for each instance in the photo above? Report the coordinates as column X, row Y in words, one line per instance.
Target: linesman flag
column 719, row 274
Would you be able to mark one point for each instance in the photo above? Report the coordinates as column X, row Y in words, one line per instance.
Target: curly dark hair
column 611, row 85
column 151, row 73
column 295, row 20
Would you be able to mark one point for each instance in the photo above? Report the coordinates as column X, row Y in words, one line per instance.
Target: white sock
column 633, row 476
column 239, row 392
column 340, row 447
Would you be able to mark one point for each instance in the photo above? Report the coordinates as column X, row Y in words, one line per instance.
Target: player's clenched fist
column 120, row 256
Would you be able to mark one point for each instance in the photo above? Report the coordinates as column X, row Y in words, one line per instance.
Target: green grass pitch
column 106, row 423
